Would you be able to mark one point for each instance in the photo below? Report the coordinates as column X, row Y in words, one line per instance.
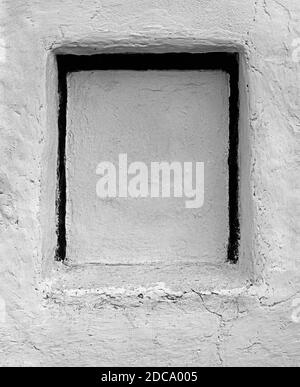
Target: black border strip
column 224, row 61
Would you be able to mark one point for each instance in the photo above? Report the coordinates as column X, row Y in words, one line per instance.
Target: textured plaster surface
column 151, row 116
column 218, row 314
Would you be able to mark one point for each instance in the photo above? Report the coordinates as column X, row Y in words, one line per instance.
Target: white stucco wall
column 151, row 116
column 226, row 315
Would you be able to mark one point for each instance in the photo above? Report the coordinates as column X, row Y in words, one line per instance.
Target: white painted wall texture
column 219, row 314
column 151, row 116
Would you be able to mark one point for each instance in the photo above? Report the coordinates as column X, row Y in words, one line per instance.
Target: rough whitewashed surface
column 152, row 116
column 219, row 314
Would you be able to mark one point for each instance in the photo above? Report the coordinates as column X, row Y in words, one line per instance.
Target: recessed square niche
column 149, row 111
